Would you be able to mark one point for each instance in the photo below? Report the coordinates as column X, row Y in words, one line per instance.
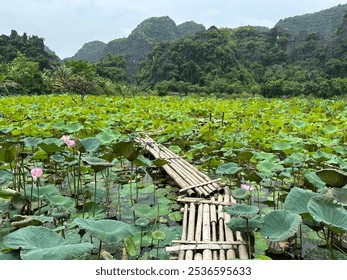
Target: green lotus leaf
column 268, row 168
column 175, row 149
column 228, row 169
column 58, row 200
column 333, row 177
column 241, row 210
column 297, row 200
column 245, row 155
column 265, row 156
column 7, row 193
column 58, row 158
column 175, row 216
column 330, row 129
column 39, row 243
column 145, row 211
column 142, row 222
column 98, row 164
column 240, row 193
column 32, row 141
column 5, row 175
column 90, row 144
column 159, row 162
column 311, row 179
column 129, row 150
column 107, row 137
column 281, row 146
column 51, row 145
column 242, row 225
column 108, row 231
column 158, row 235
column 74, row 127
column 299, row 124
column 142, row 161
column 279, row 225
column 340, row 195
column 325, row 209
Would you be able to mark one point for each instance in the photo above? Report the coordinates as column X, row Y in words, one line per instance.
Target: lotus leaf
column 313, row 180
column 297, row 200
column 340, row 195
column 39, row 243
column 127, row 150
column 145, row 211
column 90, row 144
column 158, row 235
column 333, row 177
column 108, row 231
column 228, row 169
column 240, row 193
column 242, row 225
column 279, row 225
column 241, row 210
column 268, row 168
column 98, row 164
column 325, row 209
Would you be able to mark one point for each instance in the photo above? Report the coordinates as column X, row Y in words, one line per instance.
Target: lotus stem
column 94, row 206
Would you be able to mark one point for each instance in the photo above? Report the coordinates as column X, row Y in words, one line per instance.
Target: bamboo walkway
column 205, row 235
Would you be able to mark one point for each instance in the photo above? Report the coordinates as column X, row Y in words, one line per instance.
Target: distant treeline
column 245, row 60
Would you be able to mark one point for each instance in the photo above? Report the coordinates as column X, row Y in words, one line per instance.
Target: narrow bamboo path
column 205, row 235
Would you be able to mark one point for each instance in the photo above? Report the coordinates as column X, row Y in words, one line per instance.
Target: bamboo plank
column 198, row 257
column 191, row 223
column 221, row 254
column 229, row 236
column 181, row 255
column 200, row 247
column 231, row 254
column 209, row 242
column 198, row 200
column 185, row 222
column 243, row 252
column 213, row 213
column 199, row 223
column 207, row 255
column 206, row 233
column 189, row 255
column 215, row 255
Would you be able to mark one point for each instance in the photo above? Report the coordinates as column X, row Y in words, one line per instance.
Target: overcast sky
column 67, row 24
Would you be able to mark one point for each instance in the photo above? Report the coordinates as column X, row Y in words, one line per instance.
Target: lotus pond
column 75, row 185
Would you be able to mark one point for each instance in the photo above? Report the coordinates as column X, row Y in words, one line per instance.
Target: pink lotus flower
column 70, row 143
column 247, row 187
column 36, row 173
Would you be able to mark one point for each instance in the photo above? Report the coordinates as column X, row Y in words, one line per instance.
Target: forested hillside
column 162, row 56
column 140, row 42
column 248, row 59
column 324, row 22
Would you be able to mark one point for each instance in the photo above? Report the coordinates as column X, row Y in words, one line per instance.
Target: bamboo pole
column 213, row 220
column 215, row 255
column 221, row 255
column 207, row 254
column 220, row 214
column 243, row 252
column 185, row 222
column 198, row 200
column 206, row 233
column 231, row 254
column 189, row 255
column 199, row 223
column 181, row 255
column 229, row 236
column 198, row 257
column 191, row 223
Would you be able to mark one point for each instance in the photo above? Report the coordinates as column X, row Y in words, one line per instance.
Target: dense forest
column 163, row 57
